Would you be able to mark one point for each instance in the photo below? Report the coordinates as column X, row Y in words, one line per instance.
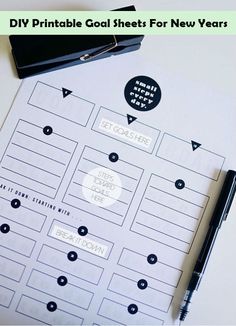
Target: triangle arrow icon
column 130, row 119
column 65, row 92
column 195, row 145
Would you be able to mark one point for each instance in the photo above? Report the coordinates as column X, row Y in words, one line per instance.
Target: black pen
column 219, row 215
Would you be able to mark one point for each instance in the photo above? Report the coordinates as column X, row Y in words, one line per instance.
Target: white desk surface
column 214, row 303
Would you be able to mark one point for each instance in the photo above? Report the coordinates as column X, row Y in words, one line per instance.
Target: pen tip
column 183, row 314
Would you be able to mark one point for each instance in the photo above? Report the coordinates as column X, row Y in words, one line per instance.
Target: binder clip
column 35, row 54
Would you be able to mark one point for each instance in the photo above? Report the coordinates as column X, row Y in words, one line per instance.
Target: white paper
column 72, row 164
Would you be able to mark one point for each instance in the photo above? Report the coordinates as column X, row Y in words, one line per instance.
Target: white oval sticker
column 102, row 187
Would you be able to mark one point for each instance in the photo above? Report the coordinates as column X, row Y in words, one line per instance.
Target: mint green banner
column 115, row 22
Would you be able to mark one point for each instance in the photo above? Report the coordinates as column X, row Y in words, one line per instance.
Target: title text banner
column 118, row 22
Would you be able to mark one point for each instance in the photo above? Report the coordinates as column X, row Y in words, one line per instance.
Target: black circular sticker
column 72, row 256
column 142, row 93
column 142, row 284
column 51, row 306
column 152, row 259
column 82, row 230
column 15, row 203
column 179, row 184
column 132, row 309
column 113, row 157
column 47, row 130
column 4, row 228
column 62, row 280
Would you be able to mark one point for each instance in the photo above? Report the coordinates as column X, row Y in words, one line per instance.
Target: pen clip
column 225, row 199
column 232, row 190
column 87, row 56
